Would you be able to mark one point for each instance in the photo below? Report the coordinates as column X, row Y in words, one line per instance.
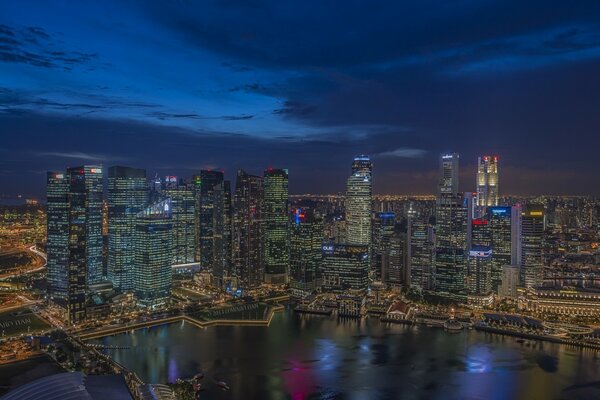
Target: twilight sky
column 177, row 86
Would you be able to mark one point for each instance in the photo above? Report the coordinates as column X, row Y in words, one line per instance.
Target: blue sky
column 176, row 86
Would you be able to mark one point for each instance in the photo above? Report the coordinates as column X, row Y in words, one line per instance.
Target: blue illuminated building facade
column 153, row 255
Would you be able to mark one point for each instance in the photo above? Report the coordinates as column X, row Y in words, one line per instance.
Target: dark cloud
column 33, row 45
column 312, row 84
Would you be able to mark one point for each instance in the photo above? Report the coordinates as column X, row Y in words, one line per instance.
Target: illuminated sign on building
column 96, row 170
column 480, row 253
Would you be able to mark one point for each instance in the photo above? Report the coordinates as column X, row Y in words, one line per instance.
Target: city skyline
column 72, row 92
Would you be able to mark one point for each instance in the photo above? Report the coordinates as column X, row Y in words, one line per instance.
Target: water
column 315, row 357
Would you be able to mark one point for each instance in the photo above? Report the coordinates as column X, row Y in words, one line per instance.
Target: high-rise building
column 383, row 229
column 227, row 233
column 479, row 274
column 504, row 232
column 487, row 182
column 127, row 196
column 84, row 265
column 57, row 190
column 452, row 226
column 395, row 269
column 276, row 241
column 449, row 165
column 153, row 242
column 421, row 273
column 183, row 216
column 510, row 281
column 532, row 240
column 210, row 192
column 481, row 234
column 247, row 226
column 345, row 266
column 359, row 192
column 306, row 238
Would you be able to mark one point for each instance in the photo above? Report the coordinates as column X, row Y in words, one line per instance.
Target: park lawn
column 20, row 321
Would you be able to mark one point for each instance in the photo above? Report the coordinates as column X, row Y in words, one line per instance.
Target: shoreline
column 278, row 308
column 170, row 320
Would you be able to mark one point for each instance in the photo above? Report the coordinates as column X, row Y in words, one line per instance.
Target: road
column 37, row 253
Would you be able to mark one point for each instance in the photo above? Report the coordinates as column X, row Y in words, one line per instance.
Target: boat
column 222, row 385
column 520, row 340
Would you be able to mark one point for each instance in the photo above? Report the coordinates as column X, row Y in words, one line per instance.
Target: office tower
column 345, row 266
column 105, row 238
column 487, row 182
column 532, row 240
column 448, row 174
column 481, row 234
column 510, row 281
column 227, row 232
column 276, row 244
column 504, row 229
column 395, row 270
column 210, row 198
column 306, row 237
column 84, row 266
column 359, row 190
column 420, row 252
column 57, row 190
column 153, row 243
column 383, row 229
column 247, row 227
column 452, row 225
column 127, row 196
column 183, row 207
column 479, row 274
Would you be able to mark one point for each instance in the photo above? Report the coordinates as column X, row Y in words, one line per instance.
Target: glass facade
column 57, row 190
column 276, row 241
column 305, row 249
column 358, row 202
column 246, row 240
column 85, row 236
column 532, row 241
column 153, row 255
column 345, row 266
column 127, row 196
column 184, row 215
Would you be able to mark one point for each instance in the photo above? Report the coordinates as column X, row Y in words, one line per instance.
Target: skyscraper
column 532, row 240
column 359, row 190
column 276, row 250
column 383, row 230
column 127, row 196
column 210, row 196
column 487, row 182
column 57, row 190
column 504, row 240
column 345, row 266
column 452, row 219
column 396, row 272
column 420, row 252
column 247, row 226
column 479, row 274
column 305, row 249
column 84, row 265
column 183, row 216
column 227, row 232
column 449, row 166
column 153, row 255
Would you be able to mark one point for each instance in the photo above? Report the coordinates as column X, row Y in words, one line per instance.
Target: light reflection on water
column 315, row 357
